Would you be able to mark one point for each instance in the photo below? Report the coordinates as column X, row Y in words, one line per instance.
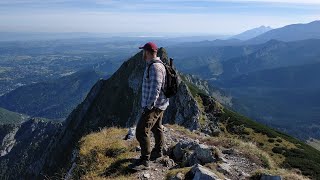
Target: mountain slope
column 206, row 60
column 8, row 117
column 285, row 98
column 294, row 32
column 252, row 33
column 283, row 77
column 53, row 99
column 273, row 54
column 22, row 144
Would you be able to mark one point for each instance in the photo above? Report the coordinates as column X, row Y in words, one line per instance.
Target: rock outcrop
column 201, row 173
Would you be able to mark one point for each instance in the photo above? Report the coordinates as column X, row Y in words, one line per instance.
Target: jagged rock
column 146, row 175
column 243, row 175
column 191, row 159
column 228, row 151
column 181, row 147
column 191, row 152
column 8, row 142
column 183, row 109
column 204, row 153
column 166, row 161
column 270, row 177
column 224, row 168
column 220, row 95
column 138, row 148
column 178, row 176
column 23, row 143
column 199, row 172
column 131, row 133
column 178, row 151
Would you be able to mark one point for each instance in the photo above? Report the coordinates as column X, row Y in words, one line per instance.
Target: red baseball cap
column 149, row 46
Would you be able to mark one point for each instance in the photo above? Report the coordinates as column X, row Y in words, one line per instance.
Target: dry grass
column 269, row 143
column 105, row 155
column 285, row 174
column 247, row 149
column 173, row 172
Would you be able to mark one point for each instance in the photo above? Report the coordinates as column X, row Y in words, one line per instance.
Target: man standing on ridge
column 154, row 103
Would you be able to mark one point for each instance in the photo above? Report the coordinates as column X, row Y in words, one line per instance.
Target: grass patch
column 285, row 174
column 295, row 153
column 105, row 155
column 173, row 172
column 203, row 118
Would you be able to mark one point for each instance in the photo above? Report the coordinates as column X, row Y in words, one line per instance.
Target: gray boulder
column 204, row 153
column 191, row 152
column 224, row 168
column 270, row 177
column 201, row 173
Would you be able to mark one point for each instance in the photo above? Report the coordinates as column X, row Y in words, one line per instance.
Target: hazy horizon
column 203, row 17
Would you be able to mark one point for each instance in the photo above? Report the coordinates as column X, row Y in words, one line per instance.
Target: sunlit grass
column 105, row 155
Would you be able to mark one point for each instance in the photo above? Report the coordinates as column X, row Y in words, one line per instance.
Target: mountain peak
column 293, row 32
column 252, row 33
column 116, row 102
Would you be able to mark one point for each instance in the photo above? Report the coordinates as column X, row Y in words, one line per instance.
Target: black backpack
column 171, row 86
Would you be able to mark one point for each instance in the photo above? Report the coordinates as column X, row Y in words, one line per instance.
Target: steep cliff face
column 22, row 144
column 209, row 89
column 113, row 102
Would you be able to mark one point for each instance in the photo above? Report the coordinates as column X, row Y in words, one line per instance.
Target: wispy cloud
column 206, row 16
column 279, row 1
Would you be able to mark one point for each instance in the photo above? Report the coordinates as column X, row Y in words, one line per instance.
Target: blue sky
column 153, row 16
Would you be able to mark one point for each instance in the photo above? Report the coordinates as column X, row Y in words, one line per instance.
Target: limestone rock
column 270, row 177
column 131, row 133
column 204, row 153
column 178, row 176
column 166, row 161
column 201, row 173
column 191, row 152
column 224, row 168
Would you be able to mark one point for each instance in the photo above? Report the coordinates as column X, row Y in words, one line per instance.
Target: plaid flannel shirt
column 152, row 93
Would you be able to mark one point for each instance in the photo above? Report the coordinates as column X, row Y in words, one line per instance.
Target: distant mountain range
column 260, row 35
column 273, row 54
column 54, row 99
column 252, row 33
column 286, row 98
column 294, row 32
column 272, row 77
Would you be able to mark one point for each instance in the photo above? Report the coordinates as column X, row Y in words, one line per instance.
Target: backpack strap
column 150, row 66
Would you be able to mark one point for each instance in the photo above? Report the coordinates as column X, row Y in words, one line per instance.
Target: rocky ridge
column 188, row 155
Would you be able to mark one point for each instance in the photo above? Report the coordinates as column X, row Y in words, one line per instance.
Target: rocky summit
column 204, row 139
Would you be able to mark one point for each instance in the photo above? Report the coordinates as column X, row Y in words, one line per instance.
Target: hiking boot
column 155, row 155
column 140, row 164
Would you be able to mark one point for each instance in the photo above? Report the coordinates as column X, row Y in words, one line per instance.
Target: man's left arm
column 156, row 80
